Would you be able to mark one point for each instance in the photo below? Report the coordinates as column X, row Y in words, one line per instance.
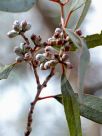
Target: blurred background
column 19, row 89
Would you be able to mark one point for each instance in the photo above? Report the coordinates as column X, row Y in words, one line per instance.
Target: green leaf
column 16, row 5
column 5, row 71
column 91, row 108
column 84, row 59
column 71, row 108
column 84, row 13
column 92, row 41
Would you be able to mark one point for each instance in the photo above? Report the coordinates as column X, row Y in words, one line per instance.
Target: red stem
column 67, row 19
column 41, row 98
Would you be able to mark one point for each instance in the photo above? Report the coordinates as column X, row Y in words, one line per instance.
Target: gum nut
column 12, row 34
column 18, row 51
column 40, row 57
column 58, row 30
column 16, row 25
column 19, row 59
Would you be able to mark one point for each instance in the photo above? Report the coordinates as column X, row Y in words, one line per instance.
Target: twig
column 39, row 89
column 47, row 97
column 48, row 78
column 25, row 38
column 36, row 75
column 62, row 16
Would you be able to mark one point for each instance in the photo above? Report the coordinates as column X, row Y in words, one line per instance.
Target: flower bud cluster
column 55, row 50
column 58, row 39
column 18, row 27
column 23, row 52
column 51, row 57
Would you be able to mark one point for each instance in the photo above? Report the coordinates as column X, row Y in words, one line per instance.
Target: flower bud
column 36, row 39
column 25, row 26
column 12, row 34
column 50, row 63
column 79, row 32
column 47, row 65
column 50, row 50
column 16, row 26
column 25, row 48
column 69, row 65
column 58, row 30
column 18, row 51
column 42, row 66
column 27, row 56
column 67, row 38
column 19, row 59
column 40, row 57
column 64, row 57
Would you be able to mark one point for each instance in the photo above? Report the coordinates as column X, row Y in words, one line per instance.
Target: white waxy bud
column 27, row 56
column 61, row 35
column 12, row 34
column 40, row 57
column 51, row 50
column 25, row 26
column 48, row 55
column 42, row 66
column 28, row 27
column 47, row 65
column 69, row 65
column 64, row 57
column 19, row 59
column 67, row 38
column 58, row 30
column 50, row 63
column 16, row 26
column 53, row 62
column 18, row 51
column 51, row 39
column 22, row 46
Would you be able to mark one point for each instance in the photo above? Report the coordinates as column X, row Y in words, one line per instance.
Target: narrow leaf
column 71, row 108
column 84, row 12
column 91, row 108
column 5, row 71
column 16, row 5
column 84, row 59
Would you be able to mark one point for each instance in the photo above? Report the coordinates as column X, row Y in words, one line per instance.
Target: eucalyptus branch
column 39, row 89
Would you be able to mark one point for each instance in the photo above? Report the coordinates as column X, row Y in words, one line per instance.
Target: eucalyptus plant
column 55, row 51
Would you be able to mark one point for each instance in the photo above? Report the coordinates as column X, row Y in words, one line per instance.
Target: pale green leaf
column 16, row 5
column 5, row 71
column 90, row 108
column 84, row 13
column 84, row 58
column 92, row 41
column 71, row 108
